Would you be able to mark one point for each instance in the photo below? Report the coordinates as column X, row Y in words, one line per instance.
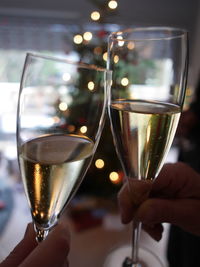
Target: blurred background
column 78, row 30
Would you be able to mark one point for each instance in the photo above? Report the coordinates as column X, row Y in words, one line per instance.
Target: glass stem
column 135, row 242
column 41, row 234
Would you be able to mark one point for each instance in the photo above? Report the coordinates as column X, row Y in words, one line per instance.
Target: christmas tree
column 104, row 177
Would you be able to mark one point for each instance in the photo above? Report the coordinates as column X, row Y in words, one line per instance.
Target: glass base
column 41, row 234
column 146, row 258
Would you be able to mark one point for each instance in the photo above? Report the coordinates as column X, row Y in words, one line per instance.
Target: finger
column 66, row 263
column 132, row 194
column 155, row 230
column 176, row 181
column 23, row 249
column 183, row 212
column 53, row 251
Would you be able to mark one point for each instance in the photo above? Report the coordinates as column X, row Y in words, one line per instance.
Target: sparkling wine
column 52, row 166
column 143, row 133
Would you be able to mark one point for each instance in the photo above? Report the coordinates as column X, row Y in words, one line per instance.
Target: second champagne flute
column 145, row 102
column 61, row 111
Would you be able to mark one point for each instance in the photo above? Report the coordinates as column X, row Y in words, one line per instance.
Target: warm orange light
column 105, row 56
column 83, row 129
column 114, row 177
column 87, row 36
column 116, row 58
column 95, row 15
column 78, row 39
column 99, row 163
column 131, row 45
column 112, row 4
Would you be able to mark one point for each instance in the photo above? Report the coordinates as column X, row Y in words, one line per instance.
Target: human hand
column 51, row 252
column 173, row 197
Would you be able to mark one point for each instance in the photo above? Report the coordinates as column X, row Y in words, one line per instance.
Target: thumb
column 51, row 252
column 180, row 212
column 22, row 250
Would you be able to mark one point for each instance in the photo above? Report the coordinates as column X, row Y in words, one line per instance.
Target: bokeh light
column 131, row 45
column 116, row 58
column 120, row 43
column 87, row 36
column 112, row 4
column 63, row 106
column 95, row 15
column 91, row 85
column 99, row 163
column 78, row 39
column 83, row 129
column 105, row 56
column 114, row 178
column 124, row 81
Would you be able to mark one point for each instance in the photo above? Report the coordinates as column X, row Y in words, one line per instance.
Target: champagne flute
column 61, row 110
column 149, row 68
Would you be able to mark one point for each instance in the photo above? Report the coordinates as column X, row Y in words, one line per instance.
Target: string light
column 105, row 56
column 87, row 36
column 78, row 39
column 95, row 15
column 83, row 129
column 131, row 45
column 116, row 59
column 112, row 4
column 124, row 81
column 91, row 86
column 99, row 163
column 114, row 177
column 63, row 106
column 120, row 43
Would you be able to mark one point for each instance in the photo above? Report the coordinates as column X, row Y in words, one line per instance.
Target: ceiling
column 178, row 13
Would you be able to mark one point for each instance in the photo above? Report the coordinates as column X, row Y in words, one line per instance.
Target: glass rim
column 175, row 33
column 63, row 60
